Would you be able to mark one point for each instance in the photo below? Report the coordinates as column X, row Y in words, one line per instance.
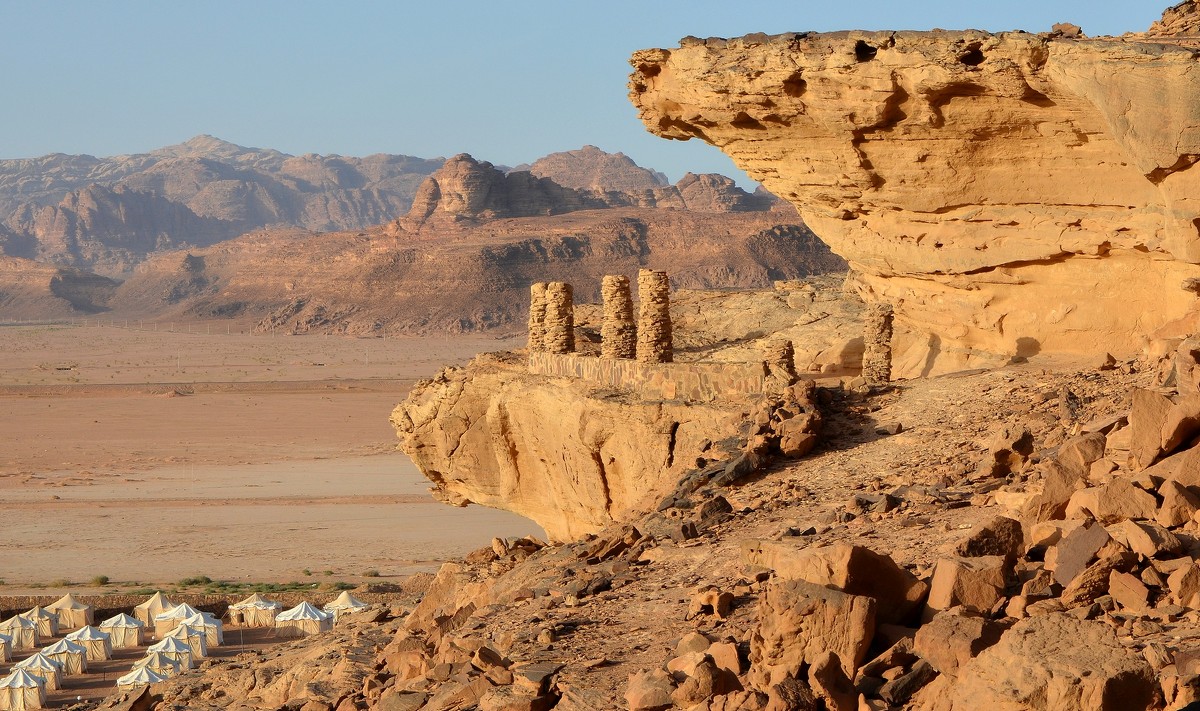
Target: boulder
column 1182, row 423
column 1128, row 591
column 1093, row 581
column 1075, row 551
column 1184, row 584
column 649, row 691
column 977, row 584
column 1051, row 662
column 799, row 622
column 1000, row 536
column 1115, row 501
column 1060, row 483
column 852, row 569
column 1146, row 421
column 1178, row 506
column 1078, row 453
column 950, row 640
column 1146, row 538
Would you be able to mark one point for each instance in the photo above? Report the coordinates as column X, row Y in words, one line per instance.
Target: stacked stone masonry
column 537, row 316
column 559, row 324
column 877, row 354
column 691, row 382
column 618, row 333
column 654, row 317
column 780, row 357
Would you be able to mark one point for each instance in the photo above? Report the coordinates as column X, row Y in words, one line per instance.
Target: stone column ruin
column 780, row 357
column 654, row 317
column 618, row 334
column 559, row 324
column 877, row 351
column 537, row 317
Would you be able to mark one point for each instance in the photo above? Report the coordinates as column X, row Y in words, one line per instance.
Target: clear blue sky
column 505, row 80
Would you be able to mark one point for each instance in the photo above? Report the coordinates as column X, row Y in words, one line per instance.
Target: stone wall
column 654, row 317
column 537, row 316
column 558, row 335
column 618, row 333
column 694, row 382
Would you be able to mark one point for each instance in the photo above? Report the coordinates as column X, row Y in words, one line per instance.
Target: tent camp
column 71, row 656
column 167, row 620
column 22, row 631
column 97, row 642
column 175, row 649
column 193, row 636
column 302, row 620
column 39, row 664
column 214, row 631
column 156, row 605
column 5, row 648
column 160, row 664
column 46, row 621
column 124, row 631
column 254, row 611
column 345, row 604
column 140, row 676
column 72, row 614
column 21, row 690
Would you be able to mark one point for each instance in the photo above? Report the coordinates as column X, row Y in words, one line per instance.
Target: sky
column 507, row 81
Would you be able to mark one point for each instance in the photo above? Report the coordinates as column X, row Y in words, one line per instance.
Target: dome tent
column 71, row 656
column 5, row 648
column 21, row 690
column 97, row 643
column 140, row 676
column 174, row 649
column 345, row 604
column 46, row 621
column 193, row 636
column 160, row 664
column 23, row 632
column 72, row 614
column 42, row 666
column 167, row 620
column 254, row 611
column 124, row 631
column 302, row 620
column 156, row 605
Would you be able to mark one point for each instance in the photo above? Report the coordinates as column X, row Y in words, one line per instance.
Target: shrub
column 100, row 580
column 372, row 573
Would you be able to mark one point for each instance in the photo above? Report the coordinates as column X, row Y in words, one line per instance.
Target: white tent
column 254, row 611
column 175, row 649
column 166, row 620
column 71, row 656
column 42, row 666
column 214, row 631
column 72, row 614
column 46, row 621
column 160, row 664
column 302, row 620
column 21, row 690
column 97, row 643
column 5, row 648
column 125, row 631
column 140, row 676
column 193, row 636
column 23, row 632
column 345, row 604
column 157, row 604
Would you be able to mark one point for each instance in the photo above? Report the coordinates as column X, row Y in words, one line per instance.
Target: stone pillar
column 537, row 317
column 654, row 318
column 780, row 356
column 618, row 334
column 877, row 351
column 560, row 318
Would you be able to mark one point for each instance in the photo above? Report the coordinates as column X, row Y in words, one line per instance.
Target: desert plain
column 146, row 453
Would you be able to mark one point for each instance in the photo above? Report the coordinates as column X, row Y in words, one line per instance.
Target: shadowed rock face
column 1009, row 194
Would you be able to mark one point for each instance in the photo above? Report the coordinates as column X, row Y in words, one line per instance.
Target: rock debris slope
column 1008, row 193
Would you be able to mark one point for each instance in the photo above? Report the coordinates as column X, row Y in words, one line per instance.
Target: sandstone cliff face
column 1009, row 194
column 590, row 168
column 570, row 460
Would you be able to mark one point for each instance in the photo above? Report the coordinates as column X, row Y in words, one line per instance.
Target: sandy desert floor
column 149, row 456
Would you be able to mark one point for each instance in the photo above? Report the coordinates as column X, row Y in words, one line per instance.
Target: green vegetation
column 196, row 580
column 99, row 580
column 341, row 585
column 372, row 573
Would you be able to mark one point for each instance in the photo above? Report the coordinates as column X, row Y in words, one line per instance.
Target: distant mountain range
column 382, row 244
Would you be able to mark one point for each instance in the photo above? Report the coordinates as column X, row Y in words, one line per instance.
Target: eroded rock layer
column 1009, row 194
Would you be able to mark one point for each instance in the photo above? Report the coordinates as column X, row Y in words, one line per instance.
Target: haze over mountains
column 208, row 229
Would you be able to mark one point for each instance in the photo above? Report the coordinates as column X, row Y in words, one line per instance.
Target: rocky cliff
column 1010, row 194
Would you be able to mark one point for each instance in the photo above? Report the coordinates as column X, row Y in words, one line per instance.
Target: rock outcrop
column 1008, row 194
column 547, row 449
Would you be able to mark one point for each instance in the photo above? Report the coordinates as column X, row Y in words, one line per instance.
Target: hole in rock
column 864, row 52
column 745, row 120
column 795, row 85
column 972, row 57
